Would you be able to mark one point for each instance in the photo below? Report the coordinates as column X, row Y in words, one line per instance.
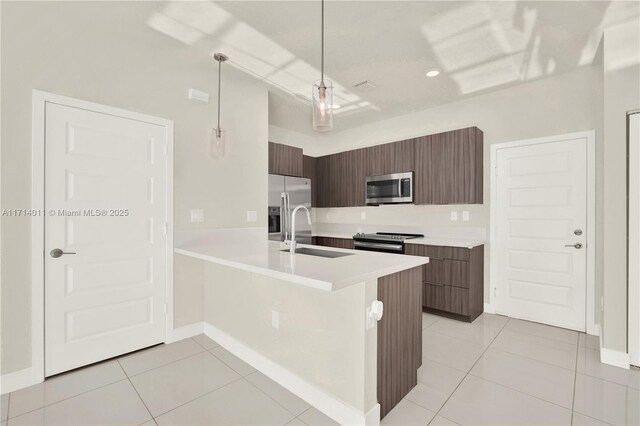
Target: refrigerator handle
column 284, row 219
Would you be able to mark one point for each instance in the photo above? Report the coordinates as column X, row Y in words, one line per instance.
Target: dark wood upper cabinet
column 396, row 157
column 309, row 171
column 340, row 179
column 285, row 160
column 449, row 167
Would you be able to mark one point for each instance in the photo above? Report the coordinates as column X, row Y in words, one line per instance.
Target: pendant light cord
column 322, row 43
column 219, row 88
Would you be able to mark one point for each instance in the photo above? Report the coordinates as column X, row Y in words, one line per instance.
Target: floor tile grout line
column 550, row 326
column 591, row 417
column 200, row 396
column 460, row 339
column 467, row 373
column 529, row 358
column 225, row 363
column 575, row 378
column 136, row 390
column 66, row 399
column 163, row 365
column 8, row 407
column 274, row 400
column 117, row 360
column 201, row 345
column 519, row 391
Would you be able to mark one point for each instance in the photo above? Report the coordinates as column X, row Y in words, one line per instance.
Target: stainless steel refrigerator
column 285, row 194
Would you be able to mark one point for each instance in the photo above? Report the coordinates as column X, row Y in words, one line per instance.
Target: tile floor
column 496, row 371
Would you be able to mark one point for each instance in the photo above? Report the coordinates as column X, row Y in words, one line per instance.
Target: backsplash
column 432, row 220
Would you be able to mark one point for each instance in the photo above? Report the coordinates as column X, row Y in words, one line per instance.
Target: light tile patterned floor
column 496, row 371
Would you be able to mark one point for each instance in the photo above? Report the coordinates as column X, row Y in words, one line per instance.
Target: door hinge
column 495, row 292
column 495, row 171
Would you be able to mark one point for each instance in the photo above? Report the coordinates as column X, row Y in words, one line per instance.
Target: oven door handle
column 382, row 246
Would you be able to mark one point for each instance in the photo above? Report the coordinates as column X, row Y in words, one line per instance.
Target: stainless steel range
column 387, row 242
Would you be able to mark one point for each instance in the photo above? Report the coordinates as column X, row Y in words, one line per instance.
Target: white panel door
column 105, row 194
column 541, row 232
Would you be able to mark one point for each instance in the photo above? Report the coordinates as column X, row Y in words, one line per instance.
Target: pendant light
column 322, row 92
column 218, row 137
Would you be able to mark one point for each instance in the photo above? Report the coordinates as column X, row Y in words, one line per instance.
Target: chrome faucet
column 292, row 243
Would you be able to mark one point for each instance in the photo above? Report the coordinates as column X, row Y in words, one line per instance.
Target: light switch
column 363, row 215
column 197, row 215
column 275, row 319
column 252, row 216
column 454, row 216
column 465, row 216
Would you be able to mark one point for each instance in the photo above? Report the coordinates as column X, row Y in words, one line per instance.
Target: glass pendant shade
column 322, row 103
column 217, row 145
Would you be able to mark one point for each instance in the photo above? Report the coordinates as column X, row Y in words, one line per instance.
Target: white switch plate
column 465, row 216
column 275, row 319
column 363, row 215
column 197, row 215
column 252, row 216
column 454, row 216
column 198, row 95
column 370, row 322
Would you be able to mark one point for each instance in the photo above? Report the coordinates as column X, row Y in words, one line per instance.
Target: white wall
column 621, row 95
column 74, row 49
column 563, row 104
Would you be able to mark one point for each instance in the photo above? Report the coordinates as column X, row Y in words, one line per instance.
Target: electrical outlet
column 252, row 216
column 454, row 216
column 363, row 215
column 197, row 215
column 275, row 319
column 465, row 216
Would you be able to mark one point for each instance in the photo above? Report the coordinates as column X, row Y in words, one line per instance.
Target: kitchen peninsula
column 305, row 322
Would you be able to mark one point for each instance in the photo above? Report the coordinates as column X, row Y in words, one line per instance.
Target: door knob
column 576, row 245
column 55, row 253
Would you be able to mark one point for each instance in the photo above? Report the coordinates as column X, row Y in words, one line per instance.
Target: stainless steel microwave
column 389, row 189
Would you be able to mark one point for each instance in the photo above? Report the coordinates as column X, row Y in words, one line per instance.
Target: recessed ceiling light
column 433, row 72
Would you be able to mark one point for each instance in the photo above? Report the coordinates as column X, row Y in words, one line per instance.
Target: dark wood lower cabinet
column 399, row 336
column 453, row 280
column 346, row 243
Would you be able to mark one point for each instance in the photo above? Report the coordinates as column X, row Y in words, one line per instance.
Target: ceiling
column 479, row 46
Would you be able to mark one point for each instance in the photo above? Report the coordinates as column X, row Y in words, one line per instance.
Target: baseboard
column 185, row 332
column 323, row 401
column 17, row 380
column 615, row 358
column 488, row 308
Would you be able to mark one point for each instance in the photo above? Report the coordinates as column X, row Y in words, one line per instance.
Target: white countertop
column 428, row 241
column 447, row 242
column 249, row 250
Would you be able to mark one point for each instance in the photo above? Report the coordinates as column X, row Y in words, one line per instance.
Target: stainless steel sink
column 320, row 253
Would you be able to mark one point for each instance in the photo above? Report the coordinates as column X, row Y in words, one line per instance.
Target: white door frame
column 633, row 330
column 40, row 100
column 591, row 326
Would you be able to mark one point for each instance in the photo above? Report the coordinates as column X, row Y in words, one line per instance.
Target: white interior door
column 541, row 232
column 105, row 194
